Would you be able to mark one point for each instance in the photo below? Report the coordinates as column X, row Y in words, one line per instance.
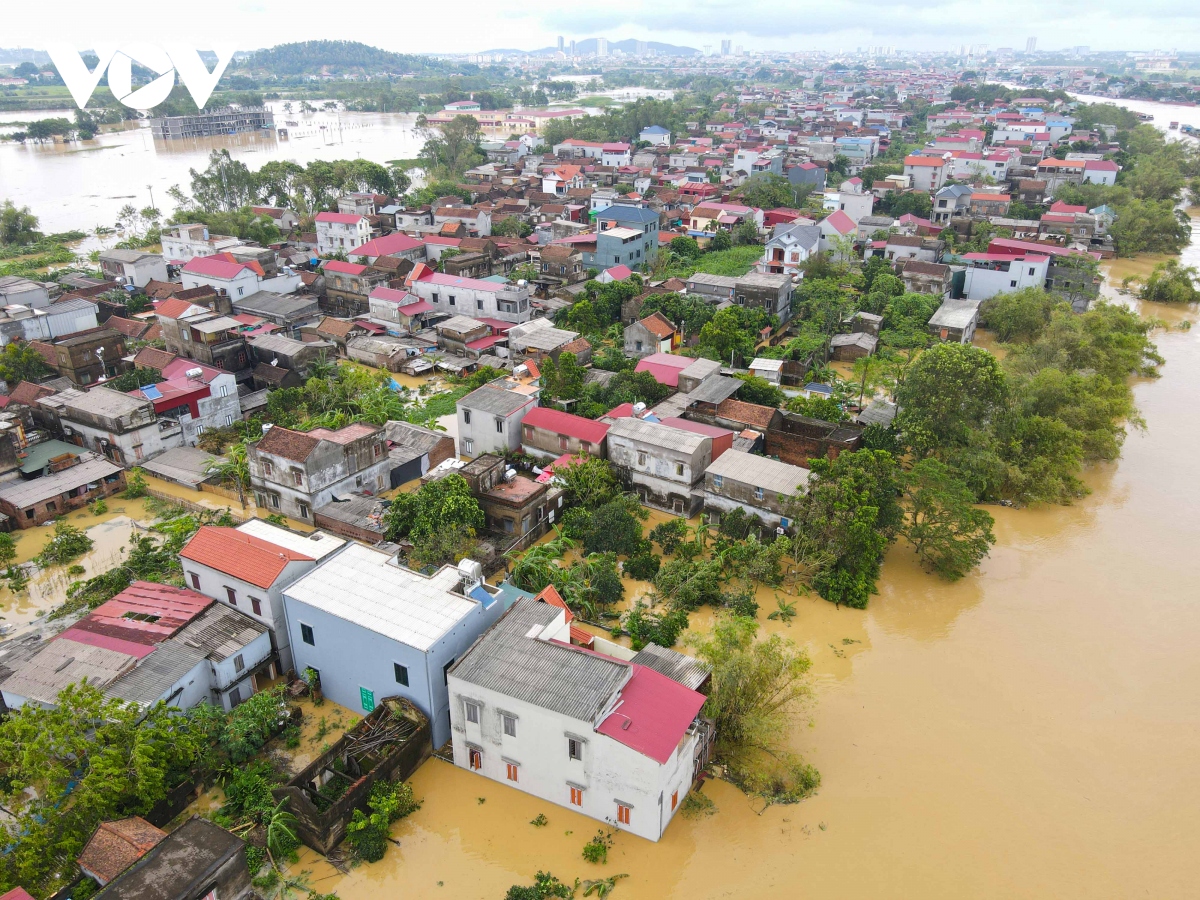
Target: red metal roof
column 389, row 243
column 665, row 367
column 623, row 411
column 565, row 423
column 654, row 714
column 243, row 556
column 343, row 218
column 138, row 618
column 336, row 265
column 173, row 308
column 214, row 267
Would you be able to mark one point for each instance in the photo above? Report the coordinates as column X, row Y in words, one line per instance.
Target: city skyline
column 756, row 25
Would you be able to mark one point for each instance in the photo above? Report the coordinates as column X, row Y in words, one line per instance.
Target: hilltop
column 332, row 58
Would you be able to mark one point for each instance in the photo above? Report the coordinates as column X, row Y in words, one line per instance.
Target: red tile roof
column 173, row 308
column 389, row 243
column 841, row 222
column 243, row 556
column 565, row 423
column 654, row 714
column 293, row 445
column 28, row 393
column 115, row 846
column 658, row 325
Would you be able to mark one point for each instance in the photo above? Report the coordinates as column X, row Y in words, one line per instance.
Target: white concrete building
column 134, row 267
column 489, row 418
column 124, row 429
column 238, row 280
column 470, row 296
column 609, row 736
column 181, row 243
column 341, row 232
column 989, row 274
column 247, row 568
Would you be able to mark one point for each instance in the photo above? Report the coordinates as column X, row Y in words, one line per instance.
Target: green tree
column 824, row 408
column 755, row 389
column 446, row 503
column 949, row 534
column 1172, row 283
column 767, row 191
column 686, row 247
column 450, row 149
column 759, row 688
column 233, row 468
column 19, row 362
column 846, row 519
column 722, row 240
column 1019, row 315
column 545, row 887
column 949, row 390
column 615, row 527
column 225, row 184
column 17, row 225
column 725, row 339
column 511, row 226
column 588, row 482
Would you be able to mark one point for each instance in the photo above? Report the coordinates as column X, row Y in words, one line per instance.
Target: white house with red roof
column 1100, row 171
column 341, row 232
column 236, row 278
column 470, row 296
column 396, row 244
column 248, row 567
column 542, row 706
column 549, row 433
column 182, row 242
column 836, row 227
column 928, row 173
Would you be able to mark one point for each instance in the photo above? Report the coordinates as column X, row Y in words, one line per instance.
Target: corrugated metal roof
column 656, row 435
column 64, row 662
column 91, row 468
column 388, row 599
column 157, row 674
column 551, row 675
column 759, row 471
column 687, row 670
column 494, row 400
column 220, row 632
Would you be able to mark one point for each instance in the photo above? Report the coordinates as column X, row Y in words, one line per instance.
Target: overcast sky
column 472, row 25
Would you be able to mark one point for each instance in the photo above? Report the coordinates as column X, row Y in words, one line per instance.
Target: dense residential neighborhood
column 456, row 445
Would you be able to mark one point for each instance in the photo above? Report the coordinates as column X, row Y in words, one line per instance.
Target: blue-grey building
column 633, row 240
column 373, row 628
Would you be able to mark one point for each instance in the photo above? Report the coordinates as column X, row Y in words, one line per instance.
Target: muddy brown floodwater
column 1030, row 731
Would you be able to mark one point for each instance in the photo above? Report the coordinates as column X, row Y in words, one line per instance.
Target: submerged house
column 601, row 731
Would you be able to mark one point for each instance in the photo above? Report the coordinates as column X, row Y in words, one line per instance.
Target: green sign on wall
column 368, row 699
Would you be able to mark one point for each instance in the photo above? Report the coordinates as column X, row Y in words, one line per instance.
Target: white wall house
column 134, row 267
column 608, row 737
column 989, row 274
column 246, row 568
column 372, row 629
column 341, row 232
column 470, row 296
column 181, row 243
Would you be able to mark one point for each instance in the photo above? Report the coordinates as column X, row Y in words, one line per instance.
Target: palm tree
column 322, row 367
column 233, row 468
column 538, row 566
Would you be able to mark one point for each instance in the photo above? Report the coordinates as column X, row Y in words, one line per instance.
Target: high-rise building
column 1031, row 45
column 725, row 46
column 560, row 43
column 572, row 49
column 602, row 46
column 640, row 48
column 739, row 50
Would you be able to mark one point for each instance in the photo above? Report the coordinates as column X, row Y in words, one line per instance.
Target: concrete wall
column 351, row 657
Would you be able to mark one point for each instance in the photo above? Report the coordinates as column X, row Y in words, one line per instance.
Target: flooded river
column 81, row 185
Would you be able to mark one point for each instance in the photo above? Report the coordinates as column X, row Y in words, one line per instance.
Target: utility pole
column 150, row 188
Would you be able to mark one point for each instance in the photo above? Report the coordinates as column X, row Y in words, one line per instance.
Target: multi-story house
column 928, row 173
column 88, row 357
column 341, row 232
column 180, row 243
column 598, row 730
column 203, row 335
column 294, row 472
column 199, row 397
column 754, row 484
column 247, row 567
column 398, row 311
column 348, row 288
column 123, row 428
column 663, row 465
column 989, row 274
column 470, row 296
column 135, row 267
column 489, row 418
column 235, row 278
column 372, row 628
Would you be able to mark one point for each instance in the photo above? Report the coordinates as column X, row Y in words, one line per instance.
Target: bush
column 99, row 507
column 645, row 627
column 67, row 544
column 135, row 485
column 596, row 850
column 669, row 535
column 642, row 567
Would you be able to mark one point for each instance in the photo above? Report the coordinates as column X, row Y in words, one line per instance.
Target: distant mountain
column 18, row 55
column 334, row 58
column 587, row 47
